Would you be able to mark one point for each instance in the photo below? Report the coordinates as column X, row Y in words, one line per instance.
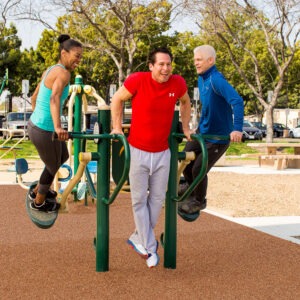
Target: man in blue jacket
column 222, row 114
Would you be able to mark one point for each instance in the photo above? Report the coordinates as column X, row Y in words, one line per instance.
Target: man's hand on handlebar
column 236, row 136
column 187, row 133
column 117, row 131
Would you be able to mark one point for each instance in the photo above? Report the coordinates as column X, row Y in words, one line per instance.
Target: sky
column 30, row 32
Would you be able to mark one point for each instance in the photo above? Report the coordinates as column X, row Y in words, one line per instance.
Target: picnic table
column 273, row 155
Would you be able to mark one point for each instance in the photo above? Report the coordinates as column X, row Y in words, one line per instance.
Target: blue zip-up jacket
column 222, row 108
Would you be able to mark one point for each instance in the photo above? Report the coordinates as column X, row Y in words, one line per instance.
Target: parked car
column 91, row 119
column 1, row 121
column 278, row 129
column 295, row 132
column 14, row 121
column 261, row 126
column 250, row 132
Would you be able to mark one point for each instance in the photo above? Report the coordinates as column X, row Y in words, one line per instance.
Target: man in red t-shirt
column 153, row 95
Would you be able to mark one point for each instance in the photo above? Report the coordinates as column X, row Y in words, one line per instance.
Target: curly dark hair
column 66, row 43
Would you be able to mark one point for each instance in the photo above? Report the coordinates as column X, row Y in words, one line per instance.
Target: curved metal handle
column 125, row 173
column 216, row 137
column 119, row 137
column 203, row 169
column 201, row 140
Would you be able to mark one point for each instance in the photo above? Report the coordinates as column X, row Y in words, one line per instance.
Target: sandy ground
column 253, row 195
column 232, row 194
column 249, row 195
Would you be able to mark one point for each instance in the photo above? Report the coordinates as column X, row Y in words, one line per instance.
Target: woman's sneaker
column 50, row 194
column 47, row 206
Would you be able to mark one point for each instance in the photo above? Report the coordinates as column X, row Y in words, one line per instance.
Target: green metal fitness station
column 104, row 140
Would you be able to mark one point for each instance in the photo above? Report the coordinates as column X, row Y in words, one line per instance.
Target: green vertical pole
column 77, row 122
column 103, row 187
column 170, row 236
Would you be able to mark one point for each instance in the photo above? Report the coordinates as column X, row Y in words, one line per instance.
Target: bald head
column 204, row 58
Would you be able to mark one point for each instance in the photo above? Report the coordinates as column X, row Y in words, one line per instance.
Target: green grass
column 235, row 149
column 239, row 149
column 28, row 150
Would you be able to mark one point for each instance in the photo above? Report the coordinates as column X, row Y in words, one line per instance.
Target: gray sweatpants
column 148, row 175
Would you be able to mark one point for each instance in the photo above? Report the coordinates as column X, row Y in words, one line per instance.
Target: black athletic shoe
column 47, row 207
column 191, row 206
column 203, row 204
column 53, row 200
column 182, row 188
column 50, row 195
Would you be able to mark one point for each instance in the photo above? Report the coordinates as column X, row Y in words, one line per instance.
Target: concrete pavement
column 284, row 227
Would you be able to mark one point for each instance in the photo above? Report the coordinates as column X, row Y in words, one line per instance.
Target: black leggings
column 53, row 153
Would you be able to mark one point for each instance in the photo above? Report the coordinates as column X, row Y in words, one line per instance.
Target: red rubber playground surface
column 216, row 259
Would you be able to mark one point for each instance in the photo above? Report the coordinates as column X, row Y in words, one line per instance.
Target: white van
column 14, row 121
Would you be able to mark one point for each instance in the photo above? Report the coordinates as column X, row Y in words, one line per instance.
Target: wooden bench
column 274, row 155
column 280, row 161
column 274, row 148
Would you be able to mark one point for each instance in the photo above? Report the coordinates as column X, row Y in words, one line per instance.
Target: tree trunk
column 269, row 123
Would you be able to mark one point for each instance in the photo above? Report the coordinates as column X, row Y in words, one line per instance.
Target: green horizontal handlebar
column 82, row 135
column 215, row 137
column 90, row 136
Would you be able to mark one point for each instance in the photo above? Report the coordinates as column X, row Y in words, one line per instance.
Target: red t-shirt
column 153, row 105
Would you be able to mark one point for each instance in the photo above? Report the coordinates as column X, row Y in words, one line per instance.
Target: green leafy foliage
column 10, row 55
column 118, row 35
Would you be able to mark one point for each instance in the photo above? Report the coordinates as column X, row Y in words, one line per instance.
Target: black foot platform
column 43, row 220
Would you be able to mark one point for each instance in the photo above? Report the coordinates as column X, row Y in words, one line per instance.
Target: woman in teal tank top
column 47, row 103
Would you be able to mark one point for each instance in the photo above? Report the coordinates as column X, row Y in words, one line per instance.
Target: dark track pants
column 214, row 151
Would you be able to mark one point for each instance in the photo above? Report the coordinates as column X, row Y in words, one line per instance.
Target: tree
column 112, row 28
column 7, row 9
column 117, row 36
column 10, row 55
column 277, row 20
column 182, row 46
column 9, row 43
column 293, row 80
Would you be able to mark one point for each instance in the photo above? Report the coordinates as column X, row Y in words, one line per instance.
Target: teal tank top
column 41, row 116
